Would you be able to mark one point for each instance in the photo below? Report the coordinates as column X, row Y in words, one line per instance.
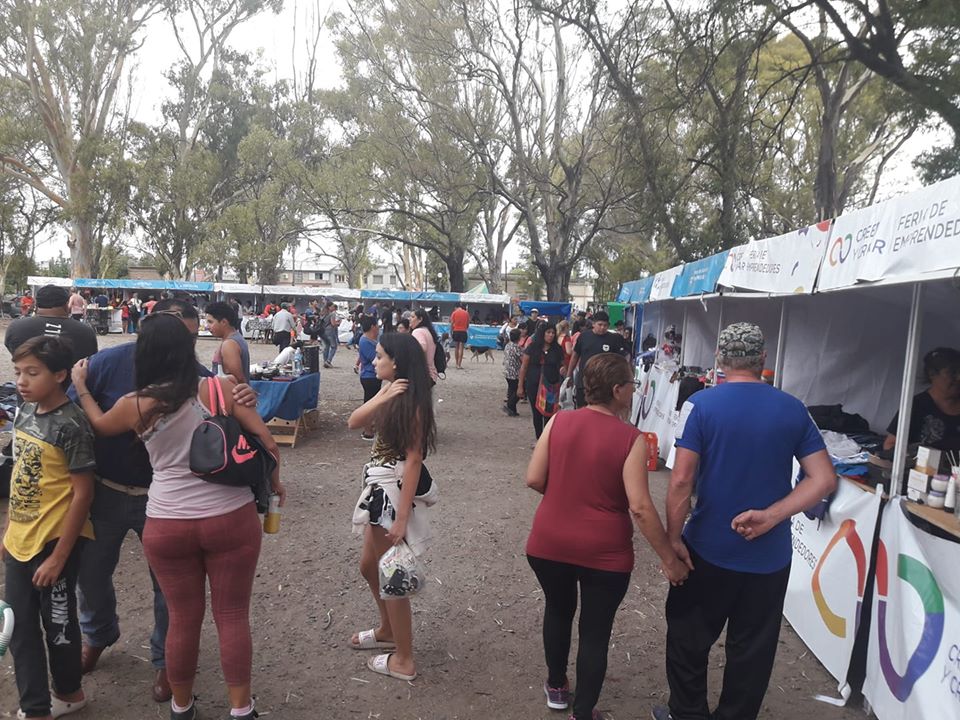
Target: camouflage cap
column 740, row 340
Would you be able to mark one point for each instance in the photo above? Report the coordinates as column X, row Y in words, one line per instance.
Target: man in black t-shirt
column 593, row 342
column 53, row 319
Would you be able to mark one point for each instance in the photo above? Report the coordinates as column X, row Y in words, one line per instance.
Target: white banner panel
column 655, row 406
column 829, row 573
column 913, row 661
column 904, row 236
column 663, row 283
column 784, row 264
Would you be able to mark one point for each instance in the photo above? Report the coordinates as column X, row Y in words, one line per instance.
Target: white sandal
column 381, row 664
column 368, row 641
column 59, row 708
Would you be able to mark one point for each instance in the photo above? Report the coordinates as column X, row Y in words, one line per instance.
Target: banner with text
column 784, row 264
column 655, row 406
column 829, row 574
column 904, row 236
column 913, row 661
column 662, row 287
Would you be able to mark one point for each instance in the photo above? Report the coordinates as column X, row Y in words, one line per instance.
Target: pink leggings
column 182, row 554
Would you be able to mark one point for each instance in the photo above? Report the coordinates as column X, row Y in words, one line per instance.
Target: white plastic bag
column 400, row 573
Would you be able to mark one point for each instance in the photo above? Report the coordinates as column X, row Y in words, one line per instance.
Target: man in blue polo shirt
column 736, row 444
column 120, row 505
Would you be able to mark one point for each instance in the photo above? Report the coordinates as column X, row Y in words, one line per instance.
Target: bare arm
column 367, row 413
column 889, row 441
column 637, row 486
column 77, row 514
column 524, row 365
column 681, row 488
column 574, row 362
column 539, row 465
column 411, row 477
column 820, row 480
column 232, row 360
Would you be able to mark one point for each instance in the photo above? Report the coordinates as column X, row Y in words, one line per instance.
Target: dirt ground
column 477, row 624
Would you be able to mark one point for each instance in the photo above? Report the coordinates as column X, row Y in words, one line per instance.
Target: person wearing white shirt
column 283, row 324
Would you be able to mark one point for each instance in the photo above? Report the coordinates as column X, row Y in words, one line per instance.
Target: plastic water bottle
column 298, row 362
column 6, row 630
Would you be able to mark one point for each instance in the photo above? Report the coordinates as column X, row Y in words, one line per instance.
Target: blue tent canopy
column 635, row 291
column 129, row 284
column 700, row 276
column 561, row 309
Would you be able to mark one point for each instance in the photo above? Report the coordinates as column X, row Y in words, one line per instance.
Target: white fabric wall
column 700, row 342
column 848, row 347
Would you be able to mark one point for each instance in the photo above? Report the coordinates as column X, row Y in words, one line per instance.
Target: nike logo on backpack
column 242, row 452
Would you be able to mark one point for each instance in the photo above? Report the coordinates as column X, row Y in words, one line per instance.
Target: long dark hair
column 426, row 322
column 165, row 365
column 539, row 342
column 554, row 356
column 408, row 417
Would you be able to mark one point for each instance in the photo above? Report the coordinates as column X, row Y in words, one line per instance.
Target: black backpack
column 222, row 453
column 439, row 356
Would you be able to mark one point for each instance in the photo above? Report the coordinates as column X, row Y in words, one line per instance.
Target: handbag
column 548, row 398
column 222, row 453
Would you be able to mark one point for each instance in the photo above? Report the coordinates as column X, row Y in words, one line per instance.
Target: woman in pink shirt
column 424, row 333
column 195, row 530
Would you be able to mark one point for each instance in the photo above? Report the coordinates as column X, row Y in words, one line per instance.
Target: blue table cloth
column 287, row 400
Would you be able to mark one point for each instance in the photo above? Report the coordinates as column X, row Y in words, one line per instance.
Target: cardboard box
column 928, row 460
column 918, row 481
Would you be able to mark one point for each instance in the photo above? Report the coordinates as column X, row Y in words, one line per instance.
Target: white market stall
column 848, row 310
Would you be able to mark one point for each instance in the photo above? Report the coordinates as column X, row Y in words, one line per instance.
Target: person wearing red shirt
column 459, row 324
column 590, row 466
column 26, row 304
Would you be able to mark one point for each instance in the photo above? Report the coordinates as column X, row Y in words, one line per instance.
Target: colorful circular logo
column 646, row 401
column 835, row 623
column 840, row 250
column 921, row 579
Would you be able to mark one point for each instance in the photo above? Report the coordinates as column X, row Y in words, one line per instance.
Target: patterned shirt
column 49, row 447
column 512, row 358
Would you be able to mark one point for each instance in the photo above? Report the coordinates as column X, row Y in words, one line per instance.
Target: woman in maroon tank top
column 591, row 468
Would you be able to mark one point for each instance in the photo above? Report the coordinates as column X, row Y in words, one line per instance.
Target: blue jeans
column 330, row 342
column 113, row 515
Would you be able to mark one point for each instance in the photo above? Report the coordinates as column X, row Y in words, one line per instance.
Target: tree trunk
column 81, row 248
column 556, row 279
column 456, row 272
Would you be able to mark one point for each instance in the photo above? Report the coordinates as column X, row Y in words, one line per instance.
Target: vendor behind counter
column 935, row 417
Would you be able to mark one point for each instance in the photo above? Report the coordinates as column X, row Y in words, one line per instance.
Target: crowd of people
column 103, row 444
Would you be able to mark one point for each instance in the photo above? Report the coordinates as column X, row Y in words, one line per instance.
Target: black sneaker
column 188, row 714
column 249, row 716
column 661, row 712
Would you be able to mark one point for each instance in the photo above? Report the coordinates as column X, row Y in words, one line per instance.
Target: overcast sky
column 280, row 40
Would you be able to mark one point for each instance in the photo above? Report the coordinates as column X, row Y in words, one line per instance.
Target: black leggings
column 601, row 593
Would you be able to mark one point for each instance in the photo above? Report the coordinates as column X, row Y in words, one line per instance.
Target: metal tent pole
column 683, row 334
column 716, row 345
column 906, row 392
column 781, row 343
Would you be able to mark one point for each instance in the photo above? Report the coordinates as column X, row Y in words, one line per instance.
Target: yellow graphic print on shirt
column 40, row 485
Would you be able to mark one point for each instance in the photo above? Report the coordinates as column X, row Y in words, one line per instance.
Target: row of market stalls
column 300, row 295
column 849, row 308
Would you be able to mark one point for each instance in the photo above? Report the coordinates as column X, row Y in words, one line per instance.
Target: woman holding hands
column 590, row 466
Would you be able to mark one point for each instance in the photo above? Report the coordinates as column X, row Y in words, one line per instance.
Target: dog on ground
column 479, row 352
